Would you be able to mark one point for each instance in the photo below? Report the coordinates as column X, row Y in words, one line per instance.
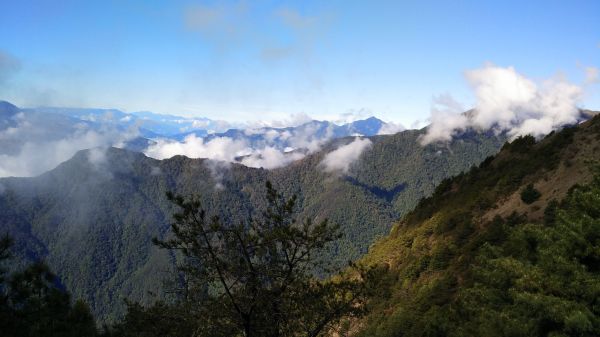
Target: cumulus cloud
column 507, row 101
column 341, row 159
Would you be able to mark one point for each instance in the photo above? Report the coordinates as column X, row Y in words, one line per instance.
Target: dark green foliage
column 521, row 144
column 529, row 194
column 553, row 287
column 160, row 319
column 254, row 278
column 5, row 243
column 550, row 212
column 33, row 304
column 94, row 224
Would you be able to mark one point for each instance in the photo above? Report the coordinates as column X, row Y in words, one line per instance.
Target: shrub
column 530, row 194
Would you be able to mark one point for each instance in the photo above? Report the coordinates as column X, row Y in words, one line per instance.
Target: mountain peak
column 8, row 109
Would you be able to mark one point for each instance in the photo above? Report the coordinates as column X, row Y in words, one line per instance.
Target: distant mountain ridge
column 35, row 140
column 294, row 137
column 153, row 125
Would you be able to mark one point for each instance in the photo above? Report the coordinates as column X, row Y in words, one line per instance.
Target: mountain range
column 35, row 140
column 92, row 218
column 475, row 236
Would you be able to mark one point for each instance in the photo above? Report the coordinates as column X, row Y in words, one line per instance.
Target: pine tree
column 256, row 278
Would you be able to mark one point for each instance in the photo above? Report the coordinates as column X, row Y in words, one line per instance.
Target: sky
column 269, row 60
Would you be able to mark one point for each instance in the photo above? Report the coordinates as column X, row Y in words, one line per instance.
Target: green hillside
column 511, row 248
column 93, row 221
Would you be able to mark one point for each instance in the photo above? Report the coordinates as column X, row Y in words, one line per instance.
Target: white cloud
column 36, row 157
column 294, row 119
column 446, row 119
column 200, row 124
column 508, row 101
column 223, row 149
column 342, row 158
column 265, row 154
column 217, row 170
column 390, row 128
column 220, row 148
column 444, row 126
column 97, row 156
column 270, row 158
column 309, row 137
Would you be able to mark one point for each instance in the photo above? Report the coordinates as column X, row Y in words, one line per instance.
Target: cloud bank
column 37, row 157
column 341, row 159
column 226, row 149
column 507, row 101
column 221, row 148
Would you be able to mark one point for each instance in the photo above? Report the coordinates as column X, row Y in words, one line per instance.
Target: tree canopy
column 32, row 303
column 254, row 278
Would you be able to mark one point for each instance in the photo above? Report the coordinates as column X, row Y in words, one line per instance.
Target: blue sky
column 260, row 60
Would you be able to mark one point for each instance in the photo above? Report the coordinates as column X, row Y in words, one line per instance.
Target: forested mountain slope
column 93, row 217
column 511, row 248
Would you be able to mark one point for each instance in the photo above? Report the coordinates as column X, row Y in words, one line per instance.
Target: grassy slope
column 474, row 259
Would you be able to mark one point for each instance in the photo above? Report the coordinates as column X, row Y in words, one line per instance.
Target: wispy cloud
column 228, row 25
column 591, row 75
column 9, row 65
column 267, row 153
column 36, row 157
column 222, row 23
column 341, row 159
column 391, row 128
